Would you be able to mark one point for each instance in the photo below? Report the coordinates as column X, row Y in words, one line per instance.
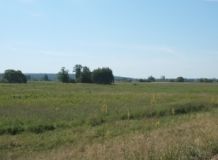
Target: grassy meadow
column 50, row 120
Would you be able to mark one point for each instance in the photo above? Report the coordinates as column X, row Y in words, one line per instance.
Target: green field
column 49, row 120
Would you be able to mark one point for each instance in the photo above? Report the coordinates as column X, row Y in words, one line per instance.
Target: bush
column 15, row 129
column 41, row 128
column 102, row 76
column 151, row 79
column 12, row 76
column 187, row 108
column 180, row 79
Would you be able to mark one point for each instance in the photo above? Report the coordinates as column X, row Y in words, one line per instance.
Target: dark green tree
column 102, row 76
column 78, row 70
column 63, row 75
column 85, row 76
column 12, row 76
column 180, row 79
column 151, row 79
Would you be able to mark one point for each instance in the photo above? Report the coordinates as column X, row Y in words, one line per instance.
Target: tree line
column 84, row 75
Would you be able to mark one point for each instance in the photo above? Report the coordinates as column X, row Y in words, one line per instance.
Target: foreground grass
column 189, row 140
column 138, row 121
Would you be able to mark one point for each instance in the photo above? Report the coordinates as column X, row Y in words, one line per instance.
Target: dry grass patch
column 197, row 139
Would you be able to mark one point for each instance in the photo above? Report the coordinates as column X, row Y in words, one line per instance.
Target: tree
column 85, row 75
column 102, row 76
column 78, row 70
column 12, row 76
column 151, row 79
column 45, row 78
column 63, row 75
column 180, row 79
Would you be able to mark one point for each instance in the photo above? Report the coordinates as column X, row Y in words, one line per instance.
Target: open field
column 48, row 120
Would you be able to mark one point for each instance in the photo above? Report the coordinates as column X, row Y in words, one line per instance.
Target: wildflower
column 128, row 114
column 173, row 111
column 104, row 108
column 153, row 100
column 157, row 123
column 213, row 99
column 107, row 133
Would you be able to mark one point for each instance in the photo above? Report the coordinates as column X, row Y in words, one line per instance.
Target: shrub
column 12, row 76
column 187, row 108
column 41, row 128
column 180, row 79
column 15, row 130
column 102, row 76
column 151, row 79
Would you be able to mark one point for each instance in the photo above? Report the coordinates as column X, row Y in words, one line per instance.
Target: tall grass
column 38, row 118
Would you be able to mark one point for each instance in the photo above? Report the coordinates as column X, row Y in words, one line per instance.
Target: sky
column 135, row 38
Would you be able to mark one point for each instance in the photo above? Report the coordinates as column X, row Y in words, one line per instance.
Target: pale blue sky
column 135, row 38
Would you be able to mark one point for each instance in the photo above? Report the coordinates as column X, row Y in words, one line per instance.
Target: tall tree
column 63, row 75
column 85, row 76
column 78, row 70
